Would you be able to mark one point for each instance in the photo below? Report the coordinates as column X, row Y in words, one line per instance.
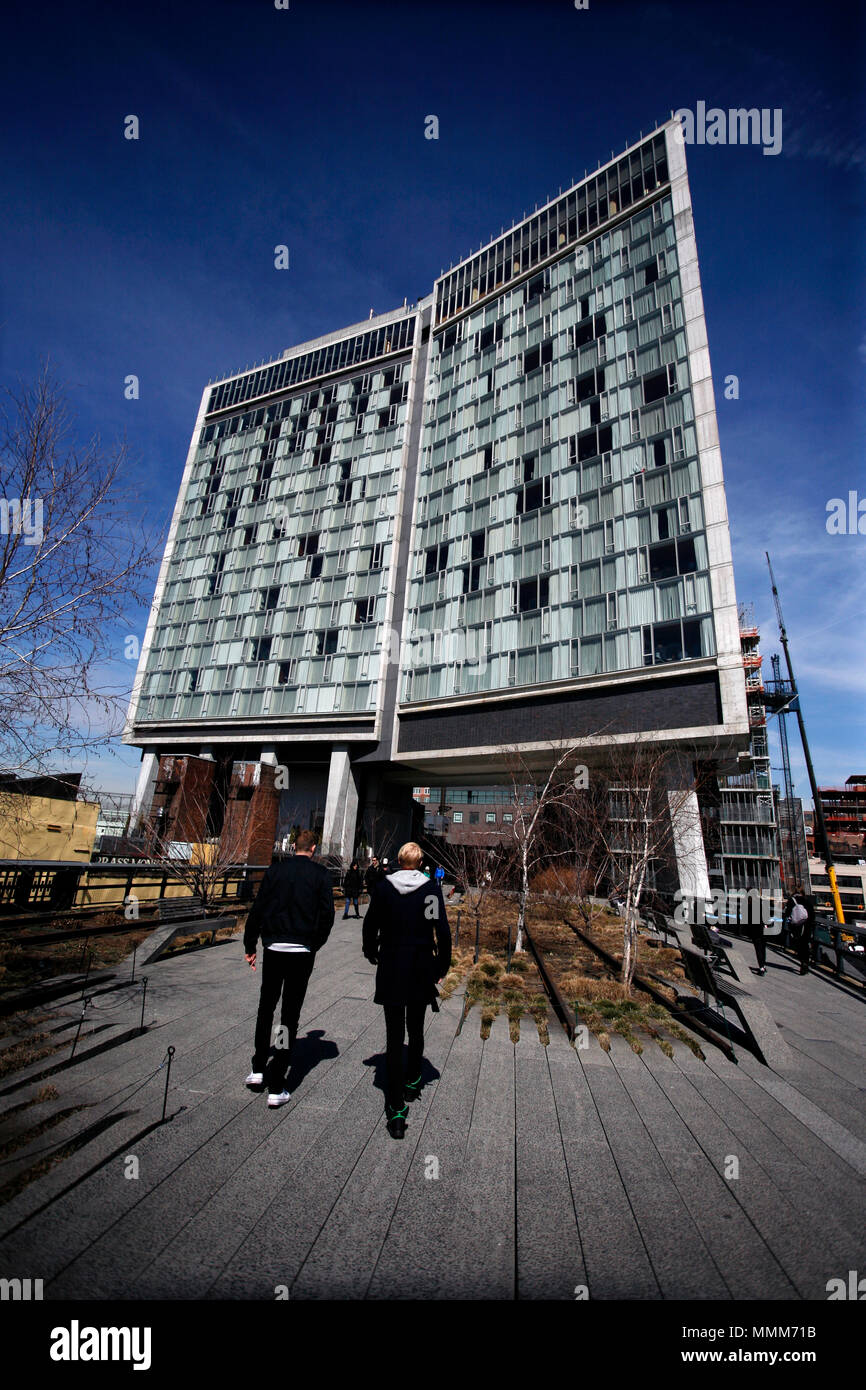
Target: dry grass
column 32, row 1049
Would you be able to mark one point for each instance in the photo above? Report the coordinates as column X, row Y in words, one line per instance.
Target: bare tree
column 536, row 797
column 645, row 825
column 73, row 564
column 579, row 865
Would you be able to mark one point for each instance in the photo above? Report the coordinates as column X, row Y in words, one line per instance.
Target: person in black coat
column 374, row 875
column 804, row 928
column 406, row 935
column 293, row 913
column 352, row 887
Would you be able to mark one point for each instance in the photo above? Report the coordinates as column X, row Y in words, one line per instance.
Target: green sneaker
column 396, row 1120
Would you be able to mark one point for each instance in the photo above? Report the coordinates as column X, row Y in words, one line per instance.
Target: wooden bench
column 755, row 1018
column 665, row 926
column 180, row 917
column 174, row 909
column 714, row 945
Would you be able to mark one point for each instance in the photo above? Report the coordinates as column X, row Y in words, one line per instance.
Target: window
column 261, row 648
column 364, row 610
column 474, row 817
column 473, row 576
column 436, row 558
column 532, row 594
column 507, row 817
column 326, row 642
column 490, row 817
column 376, row 555
column 309, row 544
column 268, row 598
column 655, row 386
column 533, row 496
column 457, row 817
column 314, row 566
column 250, row 535
column 287, row 673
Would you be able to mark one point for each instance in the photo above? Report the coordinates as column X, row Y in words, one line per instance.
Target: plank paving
column 527, row 1171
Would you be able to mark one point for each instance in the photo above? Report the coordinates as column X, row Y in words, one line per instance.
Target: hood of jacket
column 407, row 880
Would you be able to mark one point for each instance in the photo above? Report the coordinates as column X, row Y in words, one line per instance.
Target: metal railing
column 30, row 887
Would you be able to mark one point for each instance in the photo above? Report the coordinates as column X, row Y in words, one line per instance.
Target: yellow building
column 42, row 818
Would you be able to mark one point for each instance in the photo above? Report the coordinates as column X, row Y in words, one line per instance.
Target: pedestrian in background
column 352, row 887
column 800, row 912
column 375, row 873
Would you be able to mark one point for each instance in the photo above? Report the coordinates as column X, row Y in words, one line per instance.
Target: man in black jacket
column 374, row 875
column 406, row 935
column 293, row 913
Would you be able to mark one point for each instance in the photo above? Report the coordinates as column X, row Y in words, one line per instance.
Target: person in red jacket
column 406, row 936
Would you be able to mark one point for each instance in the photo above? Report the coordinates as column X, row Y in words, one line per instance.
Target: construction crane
column 792, row 702
column 793, row 873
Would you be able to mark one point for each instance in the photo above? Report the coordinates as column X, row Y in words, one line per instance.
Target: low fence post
column 170, row 1054
column 78, row 1029
column 87, row 972
column 143, row 998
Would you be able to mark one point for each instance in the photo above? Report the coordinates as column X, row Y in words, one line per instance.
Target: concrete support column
column 688, row 841
column 341, row 806
column 144, row 787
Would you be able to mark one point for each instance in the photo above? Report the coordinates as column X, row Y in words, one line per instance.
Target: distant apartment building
column 741, row 826
column 845, row 818
column 469, row 815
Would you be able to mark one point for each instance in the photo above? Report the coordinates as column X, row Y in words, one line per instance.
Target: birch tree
column 74, row 565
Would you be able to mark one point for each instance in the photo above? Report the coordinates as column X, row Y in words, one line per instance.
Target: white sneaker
column 255, row 1078
column 282, row 1099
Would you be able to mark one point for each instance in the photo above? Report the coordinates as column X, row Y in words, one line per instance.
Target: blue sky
column 305, row 126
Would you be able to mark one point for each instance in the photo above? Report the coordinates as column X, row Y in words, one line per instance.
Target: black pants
column 400, row 1018
column 759, row 944
column 286, row 972
column 804, row 932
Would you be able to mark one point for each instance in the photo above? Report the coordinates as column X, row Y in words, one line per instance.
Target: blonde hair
column 410, row 854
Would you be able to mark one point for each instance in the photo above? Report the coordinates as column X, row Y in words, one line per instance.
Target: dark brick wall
column 682, row 702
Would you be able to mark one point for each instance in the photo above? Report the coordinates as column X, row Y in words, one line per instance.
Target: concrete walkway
column 526, row 1172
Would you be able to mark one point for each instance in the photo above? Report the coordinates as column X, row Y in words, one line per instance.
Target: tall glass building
column 482, row 523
